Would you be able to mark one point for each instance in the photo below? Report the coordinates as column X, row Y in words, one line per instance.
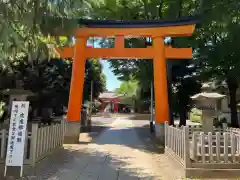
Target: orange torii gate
column 156, row 30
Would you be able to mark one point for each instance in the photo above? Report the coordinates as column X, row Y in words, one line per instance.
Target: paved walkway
column 122, row 152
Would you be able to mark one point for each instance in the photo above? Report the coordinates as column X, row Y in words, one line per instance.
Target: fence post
column 3, row 143
column 171, row 137
column 166, row 134
column 63, row 130
column 48, row 135
column 218, row 152
column 58, row 134
column 210, row 146
column 51, row 135
column 225, row 143
column 33, row 146
column 39, row 143
column 194, row 145
column 55, row 135
column 233, row 147
column 186, row 147
column 202, row 142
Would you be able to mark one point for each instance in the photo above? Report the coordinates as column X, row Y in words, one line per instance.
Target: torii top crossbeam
column 136, row 23
column 157, row 30
column 142, row 28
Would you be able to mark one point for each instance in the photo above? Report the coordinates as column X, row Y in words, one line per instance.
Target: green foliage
column 27, row 51
column 217, row 50
column 21, row 30
column 195, row 115
column 128, row 88
column 2, row 106
column 129, row 91
column 50, row 80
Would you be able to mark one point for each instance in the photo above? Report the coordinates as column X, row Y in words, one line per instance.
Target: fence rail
column 234, row 130
column 198, row 128
column 41, row 141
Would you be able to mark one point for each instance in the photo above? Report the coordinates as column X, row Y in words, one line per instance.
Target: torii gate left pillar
column 159, row 53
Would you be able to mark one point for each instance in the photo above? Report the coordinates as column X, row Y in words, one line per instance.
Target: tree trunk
column 169, row 77
column 183, row 115
column 146, row 14
column 232, row 87
column 160, row 8
column 171, row 118
column 180, row 9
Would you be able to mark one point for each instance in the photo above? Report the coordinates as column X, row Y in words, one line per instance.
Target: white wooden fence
column 215, row 150
column 41, row 141
column 177, row 143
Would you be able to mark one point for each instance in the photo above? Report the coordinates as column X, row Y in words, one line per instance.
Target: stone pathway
column 119, row 153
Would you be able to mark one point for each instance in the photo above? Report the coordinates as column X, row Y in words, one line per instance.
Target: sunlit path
column 118, row 153
column 127, row 153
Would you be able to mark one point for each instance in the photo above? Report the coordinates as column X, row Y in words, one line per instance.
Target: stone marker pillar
column 72, row 132
column 74, row 128
column 160, row 132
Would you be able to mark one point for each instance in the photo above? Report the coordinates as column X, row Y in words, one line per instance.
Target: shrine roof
column 109, row 95
column 210, row 95
column 136, row 23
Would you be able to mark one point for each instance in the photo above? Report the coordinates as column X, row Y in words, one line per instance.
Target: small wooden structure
column 109, row 99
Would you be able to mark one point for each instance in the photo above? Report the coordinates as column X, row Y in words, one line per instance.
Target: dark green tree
column 186, row 84
column 50, row 80
column 217, row 50
column 93, row 74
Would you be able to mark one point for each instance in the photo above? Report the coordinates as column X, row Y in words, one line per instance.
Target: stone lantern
column 207, row 102
column 16, row 95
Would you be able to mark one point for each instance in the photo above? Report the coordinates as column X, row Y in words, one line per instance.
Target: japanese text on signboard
column 17, row 131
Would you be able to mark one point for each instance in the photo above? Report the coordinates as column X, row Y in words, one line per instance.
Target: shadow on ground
column 139, row 116
column 78, row 164
column 148, row 142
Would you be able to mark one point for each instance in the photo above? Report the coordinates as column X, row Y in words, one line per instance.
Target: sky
column 112, row 81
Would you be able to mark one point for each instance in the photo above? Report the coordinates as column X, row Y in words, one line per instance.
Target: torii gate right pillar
column 160, row 85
